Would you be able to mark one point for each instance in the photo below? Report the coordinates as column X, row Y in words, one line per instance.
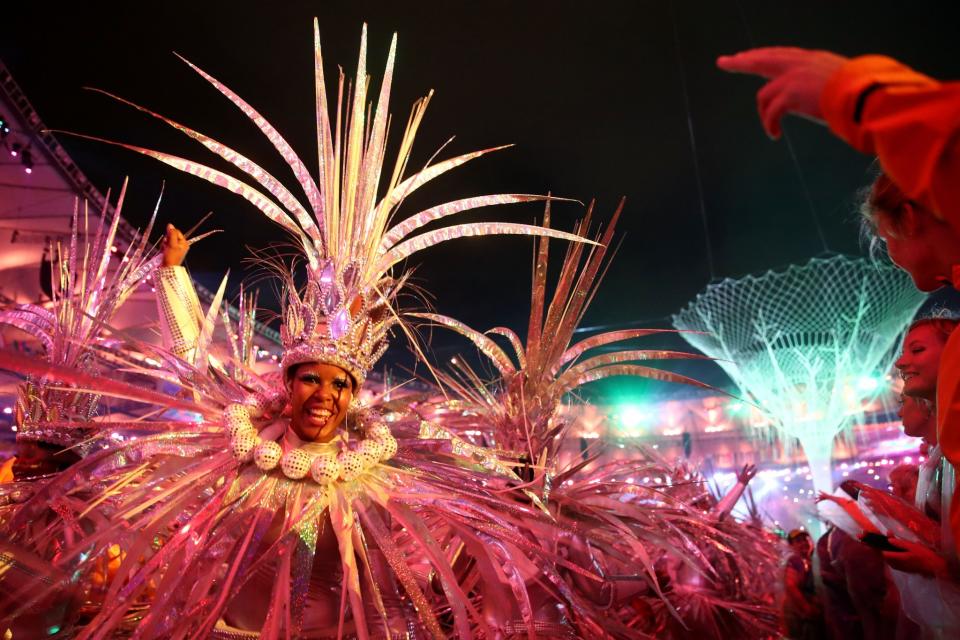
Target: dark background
column 599, row 98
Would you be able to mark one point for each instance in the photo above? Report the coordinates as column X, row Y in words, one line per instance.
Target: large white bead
column 379, row 430
column 243, row 444
column 351, row 464
column 371, row 449
column 261, row 401
column 295, row 464
column 236, row 418
column 325, row 469
column 389, row 444
column 267, row 455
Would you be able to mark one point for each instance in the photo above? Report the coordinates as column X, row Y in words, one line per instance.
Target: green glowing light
column 631, row 415
column 630, row 418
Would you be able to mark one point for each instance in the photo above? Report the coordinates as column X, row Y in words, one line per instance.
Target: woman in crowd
column 919, row 365
column 928, row 584
column 916, row 543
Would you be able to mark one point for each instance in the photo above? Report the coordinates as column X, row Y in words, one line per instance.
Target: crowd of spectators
column 871, row 577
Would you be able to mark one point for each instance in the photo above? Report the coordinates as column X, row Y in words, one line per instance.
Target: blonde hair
column 942, row 321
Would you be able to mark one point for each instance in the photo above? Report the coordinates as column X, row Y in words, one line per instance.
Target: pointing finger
column 768, row 62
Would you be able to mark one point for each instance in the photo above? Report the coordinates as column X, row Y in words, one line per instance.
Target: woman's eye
column 310, row 379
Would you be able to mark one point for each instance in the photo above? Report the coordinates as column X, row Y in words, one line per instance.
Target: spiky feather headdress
column 344, row 313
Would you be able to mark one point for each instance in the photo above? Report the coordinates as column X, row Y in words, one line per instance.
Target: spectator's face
column 920, row 361
column 918, row 420
column 911, row 245
column 802, row 545
column 320, row 395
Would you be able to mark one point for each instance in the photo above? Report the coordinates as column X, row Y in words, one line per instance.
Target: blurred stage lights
column 25, row 154
column 16, row 149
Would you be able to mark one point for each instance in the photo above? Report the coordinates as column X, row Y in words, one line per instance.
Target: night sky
column 592, row 94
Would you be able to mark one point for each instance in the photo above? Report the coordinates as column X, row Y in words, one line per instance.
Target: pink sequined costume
column 226, row 524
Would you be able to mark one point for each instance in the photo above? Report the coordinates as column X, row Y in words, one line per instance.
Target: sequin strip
column 179, row 307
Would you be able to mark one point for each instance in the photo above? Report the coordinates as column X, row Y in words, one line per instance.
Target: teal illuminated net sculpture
column 801, row 342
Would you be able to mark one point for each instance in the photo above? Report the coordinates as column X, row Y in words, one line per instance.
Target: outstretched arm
column 879, row 106
column 177, row 302
column 732, row 497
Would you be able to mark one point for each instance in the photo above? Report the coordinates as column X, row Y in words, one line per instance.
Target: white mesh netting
column 801, row 342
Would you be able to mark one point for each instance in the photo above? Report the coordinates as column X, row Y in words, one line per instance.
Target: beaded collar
column 351, row 460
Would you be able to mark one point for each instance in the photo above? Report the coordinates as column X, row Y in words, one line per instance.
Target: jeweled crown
column 333, row 320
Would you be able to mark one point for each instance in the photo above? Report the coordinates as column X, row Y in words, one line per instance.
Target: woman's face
column 918, row 420
column 320, row 395
column 920, row 361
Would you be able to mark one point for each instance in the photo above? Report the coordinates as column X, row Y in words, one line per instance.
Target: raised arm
column 177, row 302
column 732, row 497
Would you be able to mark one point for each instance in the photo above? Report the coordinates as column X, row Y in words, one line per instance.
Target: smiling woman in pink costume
column 291, row 510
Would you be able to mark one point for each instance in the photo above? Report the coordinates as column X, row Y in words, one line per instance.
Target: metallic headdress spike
column 346, row 310
column 549, row 366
